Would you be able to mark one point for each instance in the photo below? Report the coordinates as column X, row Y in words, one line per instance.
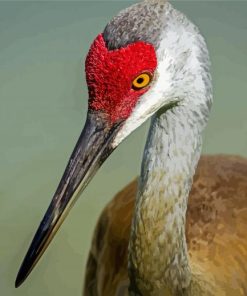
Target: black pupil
column 140, row 80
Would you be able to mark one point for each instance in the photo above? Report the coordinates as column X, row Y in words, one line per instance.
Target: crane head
column 131, row 71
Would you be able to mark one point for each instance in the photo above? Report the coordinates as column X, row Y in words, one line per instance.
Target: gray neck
column 158, row 259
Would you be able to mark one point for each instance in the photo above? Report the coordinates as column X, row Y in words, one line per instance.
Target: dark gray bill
column 93, row 147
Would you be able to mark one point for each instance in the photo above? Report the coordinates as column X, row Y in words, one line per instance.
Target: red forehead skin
column 110, row 73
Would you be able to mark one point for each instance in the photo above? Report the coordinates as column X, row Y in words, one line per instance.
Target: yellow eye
column 141, row 81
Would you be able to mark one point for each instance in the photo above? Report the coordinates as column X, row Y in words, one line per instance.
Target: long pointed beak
column 93, row 147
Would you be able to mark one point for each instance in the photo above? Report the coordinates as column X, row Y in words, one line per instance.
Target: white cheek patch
column 144, row 109
column 159, row 94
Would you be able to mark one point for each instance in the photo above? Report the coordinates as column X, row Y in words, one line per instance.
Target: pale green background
column 43, row 101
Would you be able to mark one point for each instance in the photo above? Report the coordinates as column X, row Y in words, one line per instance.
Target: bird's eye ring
column 141, row 81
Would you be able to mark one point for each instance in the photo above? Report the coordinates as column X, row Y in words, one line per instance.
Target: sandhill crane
column 185, row 238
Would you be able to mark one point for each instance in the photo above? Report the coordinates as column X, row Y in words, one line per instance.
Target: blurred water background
column 43, row 103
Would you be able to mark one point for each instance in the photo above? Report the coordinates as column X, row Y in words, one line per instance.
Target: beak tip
column 19, row 280
column 22, row 274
